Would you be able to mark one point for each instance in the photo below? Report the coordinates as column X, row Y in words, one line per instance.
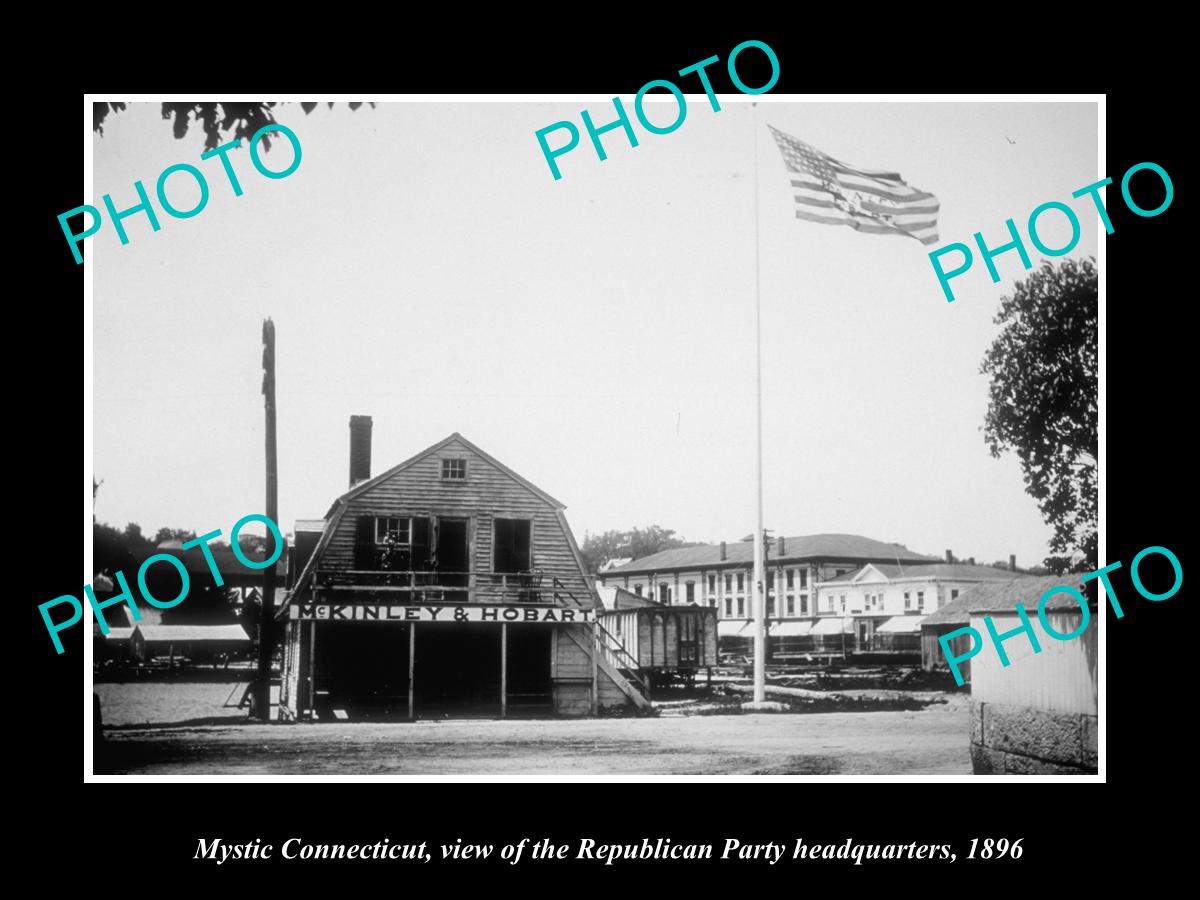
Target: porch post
column 412, row 665
column 503, row 669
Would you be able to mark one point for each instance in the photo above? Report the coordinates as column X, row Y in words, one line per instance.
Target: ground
column 189, row 733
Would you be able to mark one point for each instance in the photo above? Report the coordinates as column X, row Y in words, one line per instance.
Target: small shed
column 653, row 637
column 199, row 643
column 1037, row 715
column 957, row 614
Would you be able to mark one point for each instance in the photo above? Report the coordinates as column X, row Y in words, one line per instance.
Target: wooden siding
column 486, row 494
column 1061, row 678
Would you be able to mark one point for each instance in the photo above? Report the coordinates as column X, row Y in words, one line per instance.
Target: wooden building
column 448, row 585
column 196, row 643
column 656, row 642
column 1039, row 714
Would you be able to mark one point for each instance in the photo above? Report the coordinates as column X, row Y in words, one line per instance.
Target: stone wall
column 1023, row 740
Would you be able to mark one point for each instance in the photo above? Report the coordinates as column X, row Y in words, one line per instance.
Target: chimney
column 1012, row 562
column 782, row 546
column 949, row 557
column 360, row 449
column 722, row 551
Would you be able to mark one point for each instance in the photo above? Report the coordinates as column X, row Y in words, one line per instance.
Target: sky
column 595, row 333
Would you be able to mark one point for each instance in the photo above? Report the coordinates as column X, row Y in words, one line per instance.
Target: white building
column 904, row 594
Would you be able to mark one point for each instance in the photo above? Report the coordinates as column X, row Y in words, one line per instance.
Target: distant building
column 720, row 575
column 197, row 643
column 892, row 599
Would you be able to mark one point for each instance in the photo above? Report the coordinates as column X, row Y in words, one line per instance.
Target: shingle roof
column 810, row 546
column 1003, row 596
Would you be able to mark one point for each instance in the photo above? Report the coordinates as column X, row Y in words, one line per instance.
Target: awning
column 730, row 627
column 833, row 625
column 791, row 629
column 901, row 625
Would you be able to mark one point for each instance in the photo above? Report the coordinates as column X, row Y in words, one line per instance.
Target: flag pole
column 760, row 599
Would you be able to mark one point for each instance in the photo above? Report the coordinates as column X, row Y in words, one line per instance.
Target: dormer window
column 454, row 470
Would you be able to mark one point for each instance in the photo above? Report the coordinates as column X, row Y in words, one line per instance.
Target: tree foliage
column 598, row 549
column 220, row 122
column 1043, row 400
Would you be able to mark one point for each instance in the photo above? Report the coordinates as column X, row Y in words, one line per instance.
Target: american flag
column 869, row 200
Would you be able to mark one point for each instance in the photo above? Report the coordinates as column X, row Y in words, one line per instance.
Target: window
column 741, row 606
column 907, row 600
column 512, row 546
column 729, row 607
column 728, row 583
column 691, row 592
column 454, row 469
column 741, row 582
column 954, row 594
column 770, row 581
column 837, row 572
column 398, row 530
column 791, row 606
column 920, row 600
column 712, row 584
column 843, row 599
column 804, row 578
column 771, row 607
column 393, row 543
column 637, row 589
column 664, row 593
column 790, row 578
column 804, row 604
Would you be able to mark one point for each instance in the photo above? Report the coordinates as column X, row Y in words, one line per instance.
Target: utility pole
column 261, row 706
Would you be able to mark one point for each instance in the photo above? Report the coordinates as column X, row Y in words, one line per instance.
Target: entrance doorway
column 360, row 670
column 457, row 671
column 529, row 670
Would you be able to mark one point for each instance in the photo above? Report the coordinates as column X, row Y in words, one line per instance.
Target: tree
column 1043, row 401
column 598, row 549
column 173, row 534
column 221, row 121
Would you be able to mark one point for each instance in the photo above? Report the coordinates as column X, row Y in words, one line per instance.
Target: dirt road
column 931, row 741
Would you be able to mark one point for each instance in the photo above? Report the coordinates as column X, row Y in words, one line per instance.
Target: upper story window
column 637, row 589
column 397, row 530
column 920, row 600
column 512, row 550
column 454, row 470
column 954, row 594
column 691, row 592
column 712, row 584
column 741, row 582
column 395, row 543
column 791, row 575
column 728, row 583
column 907, row 600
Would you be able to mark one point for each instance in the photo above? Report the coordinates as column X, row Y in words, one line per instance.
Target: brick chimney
column 949, row 557
column 360, row 449
column 722, row 551
column 1012, row 562
column 782, row 546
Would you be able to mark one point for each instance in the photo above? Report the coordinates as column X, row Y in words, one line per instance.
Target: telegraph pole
column 261, row 707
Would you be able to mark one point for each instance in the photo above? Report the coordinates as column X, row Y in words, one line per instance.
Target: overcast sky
column 595, row 333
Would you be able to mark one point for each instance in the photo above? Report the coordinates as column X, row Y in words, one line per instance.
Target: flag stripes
column 873, row 201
